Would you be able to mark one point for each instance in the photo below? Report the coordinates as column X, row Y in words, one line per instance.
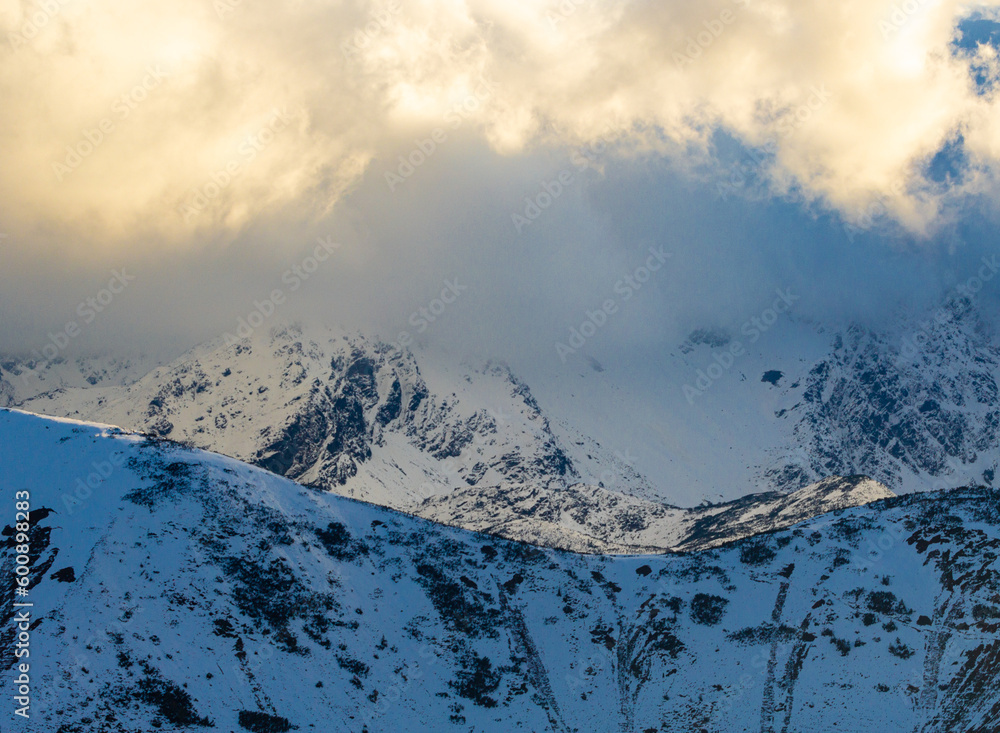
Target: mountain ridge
column 190, row 590
column 465, row 445
column 802, row 403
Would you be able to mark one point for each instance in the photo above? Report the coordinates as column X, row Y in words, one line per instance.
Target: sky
column 486, row 173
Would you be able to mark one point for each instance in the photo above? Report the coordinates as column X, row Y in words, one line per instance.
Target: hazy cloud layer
column 207, row 145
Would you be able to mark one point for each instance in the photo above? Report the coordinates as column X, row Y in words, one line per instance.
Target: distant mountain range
column 467, row 446
column 574, row 461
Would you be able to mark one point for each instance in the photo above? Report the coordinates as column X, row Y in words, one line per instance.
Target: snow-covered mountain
column 341, row 412
column 919, row 410
column 586, row 518
column 23, row 379
column 178, row 590
column 464, row 445
column 914, row 405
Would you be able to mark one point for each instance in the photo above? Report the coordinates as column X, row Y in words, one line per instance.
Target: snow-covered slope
column 914, row 404
column 586, row 518
column 466, row 445
column 316, row 406
column 182, row 590
column 24, row 379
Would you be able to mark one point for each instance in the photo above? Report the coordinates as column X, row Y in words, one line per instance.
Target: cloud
column 182, row 125
column 205, row 147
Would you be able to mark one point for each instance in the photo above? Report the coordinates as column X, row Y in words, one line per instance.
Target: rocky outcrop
column 591, row 519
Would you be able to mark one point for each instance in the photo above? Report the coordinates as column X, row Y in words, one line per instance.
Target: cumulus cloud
column 179, row 124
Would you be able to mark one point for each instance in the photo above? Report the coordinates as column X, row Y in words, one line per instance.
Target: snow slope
column 183, row 590
column 24, row 379
column 462, row 444
column 586, row 518
column 914, row 405
column 797, row 404
column 316, row 405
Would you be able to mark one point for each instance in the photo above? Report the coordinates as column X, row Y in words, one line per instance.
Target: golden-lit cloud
column 176, row 121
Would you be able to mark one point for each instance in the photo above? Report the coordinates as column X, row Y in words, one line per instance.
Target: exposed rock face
column 899, row 411
column 591, row 519
column 315, row 407
column 469, row 447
